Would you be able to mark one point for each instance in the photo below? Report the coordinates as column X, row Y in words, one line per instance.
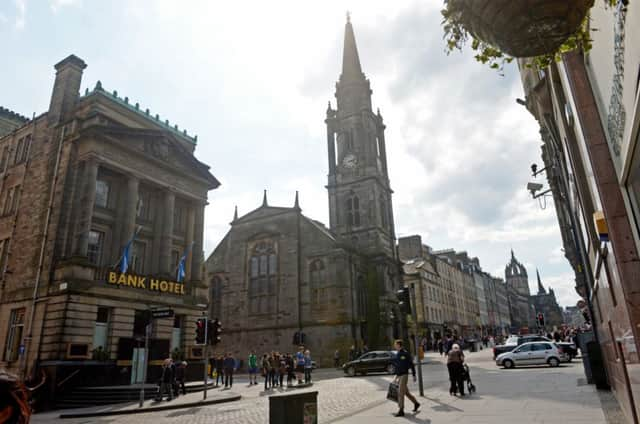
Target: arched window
column 383, row 212
column 215, row 298
column 263, row 271
column 318, row 276
column 353, row 211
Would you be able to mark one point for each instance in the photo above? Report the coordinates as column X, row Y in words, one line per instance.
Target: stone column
column 166, row 239
column 87, row 200
column 196, row 264
column 191, row 219
column 130, row 209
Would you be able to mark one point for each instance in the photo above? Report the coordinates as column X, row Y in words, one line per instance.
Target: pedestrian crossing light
column 215, row 327
column 404, row 301
column 201, row 325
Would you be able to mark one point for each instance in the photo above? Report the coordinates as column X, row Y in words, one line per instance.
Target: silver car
column 532, row 353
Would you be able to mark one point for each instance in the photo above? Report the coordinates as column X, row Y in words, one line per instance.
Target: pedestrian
column 166, row 380
column 181, row 370
column 455, row 359
column 229, row 364
column 300, row 364
column 276, row 369
column 307, row 366
column 352, row 353
column 253, row 367
column 282, row 368
column 404, row 363
column 290, row 370
column 273, row 364
column 174, row 382
column 336, row 359
column 266, row 371
column 219, row 370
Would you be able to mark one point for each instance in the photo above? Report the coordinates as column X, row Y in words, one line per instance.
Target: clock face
column 350, row 161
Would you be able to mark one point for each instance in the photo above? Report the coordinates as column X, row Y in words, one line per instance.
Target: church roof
column 351, row 69
column 515, row 268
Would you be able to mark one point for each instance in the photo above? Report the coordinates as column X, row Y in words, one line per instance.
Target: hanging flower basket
column 521, row 28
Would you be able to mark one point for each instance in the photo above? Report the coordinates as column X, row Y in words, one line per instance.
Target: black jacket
column 404, row 363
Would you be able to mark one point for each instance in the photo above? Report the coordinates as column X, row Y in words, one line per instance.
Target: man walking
column 253, row 368
column 336, row 359
column 404, row 363
column 229, row 365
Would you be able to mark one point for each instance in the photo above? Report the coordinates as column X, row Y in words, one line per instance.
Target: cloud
column 21, row 13
column 56, row 5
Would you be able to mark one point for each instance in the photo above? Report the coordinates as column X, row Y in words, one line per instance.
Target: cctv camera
column 533, row 187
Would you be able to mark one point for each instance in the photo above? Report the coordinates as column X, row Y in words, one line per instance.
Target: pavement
column 522, row 395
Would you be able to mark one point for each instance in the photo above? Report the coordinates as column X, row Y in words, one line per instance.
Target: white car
column 533, row 353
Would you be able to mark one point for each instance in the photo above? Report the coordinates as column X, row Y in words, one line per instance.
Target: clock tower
column 360, row 205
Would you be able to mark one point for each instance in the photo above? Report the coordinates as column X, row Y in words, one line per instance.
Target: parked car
column 515, row 341
column 569, row 348
column 533, row 353
column 374, row 361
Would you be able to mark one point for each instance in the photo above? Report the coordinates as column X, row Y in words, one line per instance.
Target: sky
column 252, row 79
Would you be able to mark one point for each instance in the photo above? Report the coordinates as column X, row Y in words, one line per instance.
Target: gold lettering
column 122, row 279
column 171, row 284
column 141, row 284
column 163, row 286
column 113, row 277
column 132, row 280
column 181, row 288
column 176, row 288
column 154, row 284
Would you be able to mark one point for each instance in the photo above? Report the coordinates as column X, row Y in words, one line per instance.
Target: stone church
column 519, row 295
column 279, row 277
column 547, row 304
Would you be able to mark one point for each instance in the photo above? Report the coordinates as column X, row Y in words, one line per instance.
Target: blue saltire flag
column 124, row 260
column 181, row 265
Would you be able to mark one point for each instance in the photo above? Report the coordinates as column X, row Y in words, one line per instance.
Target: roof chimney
column 66, row 88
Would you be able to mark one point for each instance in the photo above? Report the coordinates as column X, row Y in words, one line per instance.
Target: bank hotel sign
column 141, row 282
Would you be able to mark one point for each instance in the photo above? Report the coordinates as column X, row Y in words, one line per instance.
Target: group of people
column 172, row 379
column 275, row 366
column 223, row 367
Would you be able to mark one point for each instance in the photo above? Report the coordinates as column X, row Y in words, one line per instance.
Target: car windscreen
column 512, row 340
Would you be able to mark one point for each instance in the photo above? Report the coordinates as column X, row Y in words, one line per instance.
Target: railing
column 67, row 378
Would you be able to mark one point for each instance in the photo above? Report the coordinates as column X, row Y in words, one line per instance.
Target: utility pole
column 147, row 330
column 414, row 313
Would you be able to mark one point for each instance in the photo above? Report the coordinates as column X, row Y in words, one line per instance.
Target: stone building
column 77, row 182
column 10, row 121
column 502, row 311
column 521, row 309
column 546, row 304
column 281, row 277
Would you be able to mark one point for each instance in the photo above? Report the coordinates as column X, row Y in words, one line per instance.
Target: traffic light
column 215, row 329
column 201, row 328
column 404, row 301
column 540, row 319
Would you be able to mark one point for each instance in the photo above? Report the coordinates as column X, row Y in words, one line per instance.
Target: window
column 19, row 152
column 175, row 259
column 26, row 148
column 179, row 218
column 94, row 249
column 4, row 253
column 263, row 271
column 215, row 298
column 137, row 257
column 144, row 204
column 353, row 211
column 176, row 333
column 102, row 193
column 140, row 322
column 101, row 328
column 5, row 158
column 319, row 294
column 523, row 348
column 11, row 201
column 14, row 338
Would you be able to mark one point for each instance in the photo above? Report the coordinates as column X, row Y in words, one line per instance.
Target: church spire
column 296, row 203
column 541, row 289
column 235, row 214
column 264, row 199
column 351, row 69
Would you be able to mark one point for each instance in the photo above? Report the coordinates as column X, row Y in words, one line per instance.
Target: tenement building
column 282, row 278
column 80, row 182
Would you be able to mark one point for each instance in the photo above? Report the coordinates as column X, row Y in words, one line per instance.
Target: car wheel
column 391, row 369
column 508, row 363
column 351, row 372
column 553, row 362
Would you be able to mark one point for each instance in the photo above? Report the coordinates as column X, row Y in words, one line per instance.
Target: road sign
column 162, row 313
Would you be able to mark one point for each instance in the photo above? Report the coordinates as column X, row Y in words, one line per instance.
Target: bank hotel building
column 76, row 183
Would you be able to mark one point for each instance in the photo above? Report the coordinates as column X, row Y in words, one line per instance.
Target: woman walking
column 455, row 359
